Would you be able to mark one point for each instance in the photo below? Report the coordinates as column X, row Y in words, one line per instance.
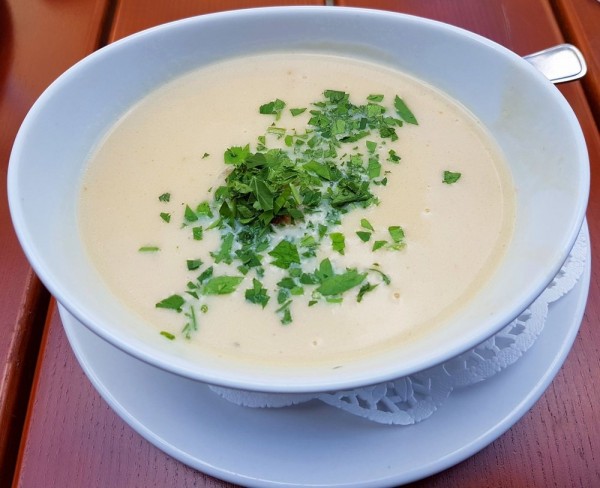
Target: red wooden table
column 55, row 430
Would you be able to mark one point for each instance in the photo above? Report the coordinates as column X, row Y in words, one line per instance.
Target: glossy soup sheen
column 173, row 141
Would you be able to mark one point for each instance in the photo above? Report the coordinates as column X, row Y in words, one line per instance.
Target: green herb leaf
column 263, row 194
column 374, row 168
column 236, row 155
column 297, row 111
column 287, row 283
column 273, row 108
column 285, row 254
column 385, row 278
column 197, row 233
column 165, row 216
column 375, row 98
column 393, row 156
column 366, row 225
column 165, row 197
column 450, row 177
column 174, row 302
column 149, row 249
column 404, row 112
column 283, row 295
column 338, row 242
column 366, row 288
column 287, row 315
column 224, row 254
column 166, row 334
column 189, row 215
column 308, row 279
column 397, row 233
column 203, row 210
column 222, row 285
column 193, row 264
column 205, row 275
column 319, row 169
column 339, row 283
column 378, row 245
column 325, row 270
column 364, row 236
column 257, row 294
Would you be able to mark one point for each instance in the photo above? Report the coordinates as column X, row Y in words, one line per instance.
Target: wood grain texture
column 76, row 440
column 73, row 438
column 508, row 22
column 38, row 40
column 134, row 15
column 581, row 24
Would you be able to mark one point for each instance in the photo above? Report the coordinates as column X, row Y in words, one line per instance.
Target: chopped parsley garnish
column 189, row 214
column 285, row 254
column 397, row 233
column 366, row 288
column 168, row 335
column 404, row 112
column 149, row 249
column 224, row 254
column 338, row 242
column 385, row 278
column 366, row 224
column 273, row 108
column 174, row 302
column 450, row 177
column 378, row 245
column 193, row 264
column 257, row 294
column 393, row 157
column 339, row 283
column 363, row 235
column 375, row 98
column 297, row 111
column 281, row 202
column 221, row 285
column 197, row 233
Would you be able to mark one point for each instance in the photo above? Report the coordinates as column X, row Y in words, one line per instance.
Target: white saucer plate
column 314, row 444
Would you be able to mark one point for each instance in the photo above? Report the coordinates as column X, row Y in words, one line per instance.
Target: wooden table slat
column 507, row 22
column 133, row 15
column 38, row 41
column 581, row 21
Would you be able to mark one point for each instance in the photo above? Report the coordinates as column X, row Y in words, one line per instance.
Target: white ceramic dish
column 313, row 444
column 526, row 114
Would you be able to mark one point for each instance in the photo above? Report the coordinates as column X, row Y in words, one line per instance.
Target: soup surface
column 401, row 208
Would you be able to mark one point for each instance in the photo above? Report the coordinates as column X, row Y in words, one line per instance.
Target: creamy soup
column 333, row 281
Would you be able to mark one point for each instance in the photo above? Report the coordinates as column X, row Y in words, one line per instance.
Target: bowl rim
column 47, row 276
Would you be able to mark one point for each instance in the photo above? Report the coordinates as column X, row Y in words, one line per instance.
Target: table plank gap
column 38, row 41
column 108, row 23
column 19, row 371
column 580, row 22
column 35, row 381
